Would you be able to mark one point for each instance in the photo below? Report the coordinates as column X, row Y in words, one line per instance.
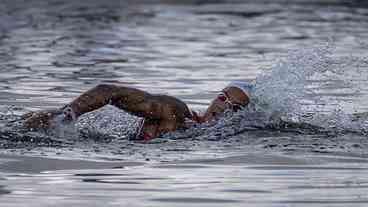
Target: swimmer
column 161, row 113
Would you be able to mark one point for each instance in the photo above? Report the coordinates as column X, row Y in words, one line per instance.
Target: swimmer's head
column 234, row 96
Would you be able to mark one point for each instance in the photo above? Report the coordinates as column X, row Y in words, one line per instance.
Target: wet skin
column 161, row 113
column 218, row 105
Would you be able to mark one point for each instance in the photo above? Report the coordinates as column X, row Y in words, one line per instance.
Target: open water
column 298, row 144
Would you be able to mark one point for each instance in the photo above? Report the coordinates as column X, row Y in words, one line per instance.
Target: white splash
column 281, row 93
column 283, row 88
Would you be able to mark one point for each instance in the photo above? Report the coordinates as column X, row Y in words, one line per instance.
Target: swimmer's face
column 229, row 98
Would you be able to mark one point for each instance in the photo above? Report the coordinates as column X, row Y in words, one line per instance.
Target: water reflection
column 227, row 184
column 3, row 190
column 195, row 200
column 110, row 181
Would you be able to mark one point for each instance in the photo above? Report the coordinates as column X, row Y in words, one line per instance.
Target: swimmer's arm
column 129, row 99
column 122, row 97
column 160, row 114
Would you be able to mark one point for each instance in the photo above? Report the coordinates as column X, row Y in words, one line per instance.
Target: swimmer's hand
column 47, row 119
column 40, row 119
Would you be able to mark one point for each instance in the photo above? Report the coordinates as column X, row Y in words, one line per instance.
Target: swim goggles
column 224, row 97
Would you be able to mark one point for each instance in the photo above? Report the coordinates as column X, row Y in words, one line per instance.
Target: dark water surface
column 51, row 51
column 251, row 179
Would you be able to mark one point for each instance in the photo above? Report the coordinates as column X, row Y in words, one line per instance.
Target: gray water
column 51, row 51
